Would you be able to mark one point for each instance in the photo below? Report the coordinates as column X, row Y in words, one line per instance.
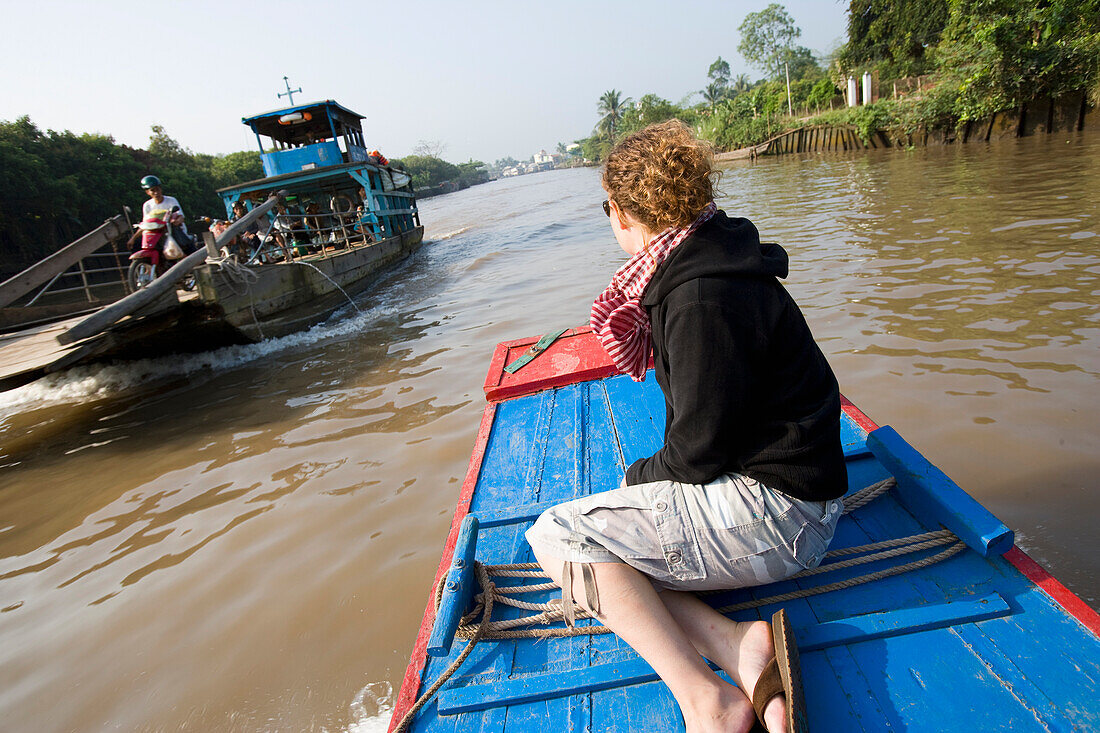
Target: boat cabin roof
column 304, row 124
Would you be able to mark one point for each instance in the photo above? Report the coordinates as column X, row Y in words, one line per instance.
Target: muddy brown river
column 244, row 540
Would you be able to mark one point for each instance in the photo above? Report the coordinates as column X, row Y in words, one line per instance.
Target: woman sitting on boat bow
column 744, row 491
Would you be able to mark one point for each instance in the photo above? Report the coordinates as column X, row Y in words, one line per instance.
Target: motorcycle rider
column 158, row 204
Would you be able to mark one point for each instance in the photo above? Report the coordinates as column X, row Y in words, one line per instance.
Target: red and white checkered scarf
column 618, row 318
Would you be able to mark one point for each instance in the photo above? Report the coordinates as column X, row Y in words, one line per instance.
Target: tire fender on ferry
column 341, row 198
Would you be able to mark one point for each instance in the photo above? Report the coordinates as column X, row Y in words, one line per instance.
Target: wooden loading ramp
column 33, row 353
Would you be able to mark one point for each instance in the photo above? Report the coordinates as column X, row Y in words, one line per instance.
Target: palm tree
column 741, row 83
column 713, row 94
column 611, row 107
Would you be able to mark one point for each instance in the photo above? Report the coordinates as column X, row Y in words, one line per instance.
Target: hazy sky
column 487, row 79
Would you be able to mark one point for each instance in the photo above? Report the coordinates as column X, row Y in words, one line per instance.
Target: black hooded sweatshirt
column 746, row 388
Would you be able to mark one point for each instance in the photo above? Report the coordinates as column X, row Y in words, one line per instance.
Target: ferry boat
column 329, row 213
column 924, row 616
column 346, row 214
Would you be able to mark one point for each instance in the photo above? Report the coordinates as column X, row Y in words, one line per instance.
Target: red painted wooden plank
column 577, row 356
column 857, row 415
column 410, row 686
column 1062, row 595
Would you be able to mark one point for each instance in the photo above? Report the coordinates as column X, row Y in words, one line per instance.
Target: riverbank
column 837, row 132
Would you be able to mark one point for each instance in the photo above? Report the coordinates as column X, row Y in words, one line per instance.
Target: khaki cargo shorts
column 731, row 533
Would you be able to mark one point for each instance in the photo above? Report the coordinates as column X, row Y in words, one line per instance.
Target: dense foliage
column 895, row 36
column 976, row 57
column 997, row 54
column 55, row 186
column 990, row 56
column 612, row 107
column 428, row 171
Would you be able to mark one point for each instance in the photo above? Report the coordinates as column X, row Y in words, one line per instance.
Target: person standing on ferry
column 745, row 489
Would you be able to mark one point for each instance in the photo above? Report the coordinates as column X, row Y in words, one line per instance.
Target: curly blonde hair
column 662, row 175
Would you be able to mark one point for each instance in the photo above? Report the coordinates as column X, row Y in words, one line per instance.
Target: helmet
column 149, row 182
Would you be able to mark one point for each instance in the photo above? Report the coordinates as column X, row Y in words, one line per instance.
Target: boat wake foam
column 371, row 708
column 97, row 381
column 440, row 237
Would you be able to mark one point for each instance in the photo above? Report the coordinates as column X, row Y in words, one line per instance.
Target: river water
column 245, row 539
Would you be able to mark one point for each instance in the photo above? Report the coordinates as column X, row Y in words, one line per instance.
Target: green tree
column 164, row 148
column 471, row 173
column 428, row 170
column 596, row 147
column 741, row 83
column 802, row 64
column 713, row 94
column 55, row 186
column 649, row 110
column 733, row 124
column 719, row 73
column 821, row 94
column 611, row 107
column 766, row 39
column 895, row 35
column 997, row 54
column 234, row 168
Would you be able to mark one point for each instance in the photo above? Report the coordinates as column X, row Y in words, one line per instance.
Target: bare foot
column 721, row 709
column 755, row 651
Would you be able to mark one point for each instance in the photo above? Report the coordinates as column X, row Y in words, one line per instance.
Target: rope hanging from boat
column 487, row 611
column 478, row 625
column 236, row 273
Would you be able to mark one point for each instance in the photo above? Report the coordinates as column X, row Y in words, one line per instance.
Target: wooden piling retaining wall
column 1040, row 116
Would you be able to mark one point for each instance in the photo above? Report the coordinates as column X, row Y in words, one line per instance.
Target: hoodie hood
column 721, row 247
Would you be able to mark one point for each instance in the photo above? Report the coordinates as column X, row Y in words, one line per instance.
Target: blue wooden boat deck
column 970, row 643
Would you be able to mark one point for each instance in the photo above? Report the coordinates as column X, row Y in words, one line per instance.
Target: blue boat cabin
column 345, row 192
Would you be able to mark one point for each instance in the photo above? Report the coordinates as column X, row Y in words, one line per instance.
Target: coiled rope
column 238, row 274
column 478, row 625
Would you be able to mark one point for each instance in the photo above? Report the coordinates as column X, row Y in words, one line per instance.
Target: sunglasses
column 607, row 207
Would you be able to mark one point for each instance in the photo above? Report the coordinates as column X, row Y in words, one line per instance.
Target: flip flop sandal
column 782, row 676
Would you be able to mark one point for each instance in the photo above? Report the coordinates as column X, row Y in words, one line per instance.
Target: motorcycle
column 159, row 250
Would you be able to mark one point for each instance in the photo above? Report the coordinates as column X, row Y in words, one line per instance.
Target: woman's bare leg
column 631, row 607
column 742, row 649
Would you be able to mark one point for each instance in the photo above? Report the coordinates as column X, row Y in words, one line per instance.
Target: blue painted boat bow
column 983, row 640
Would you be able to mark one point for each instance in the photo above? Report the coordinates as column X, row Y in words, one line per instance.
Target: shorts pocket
column 676, row 531
column 616, row 521
column 770, row 565
column 809, row 547
column 821, row 518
